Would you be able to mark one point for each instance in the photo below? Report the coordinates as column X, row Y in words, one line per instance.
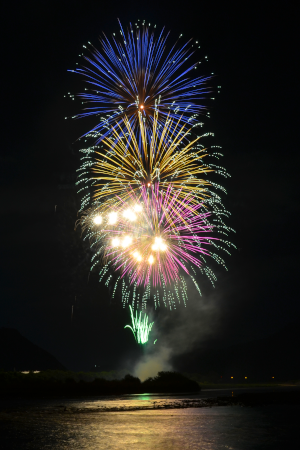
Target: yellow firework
column 163, row 156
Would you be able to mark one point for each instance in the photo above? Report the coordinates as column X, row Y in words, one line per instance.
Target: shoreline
column 248, row 399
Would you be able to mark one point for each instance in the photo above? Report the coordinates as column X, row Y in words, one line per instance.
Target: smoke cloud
column 151, row 364
column 180, row 331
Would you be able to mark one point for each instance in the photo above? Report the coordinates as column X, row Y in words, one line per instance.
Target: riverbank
column 208, row 385
column 62, row 385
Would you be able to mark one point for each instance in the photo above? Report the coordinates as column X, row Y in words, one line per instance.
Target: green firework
column 140, row 326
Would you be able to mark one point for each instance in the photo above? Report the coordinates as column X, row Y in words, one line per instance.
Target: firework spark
column 165, row 236
column 124, row 162
column 140, row 326
column 156, row 239
column 138, row 74
column 153, row 218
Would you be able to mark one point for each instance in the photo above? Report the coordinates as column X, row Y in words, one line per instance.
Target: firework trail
column 138, row 73
column 140, row 326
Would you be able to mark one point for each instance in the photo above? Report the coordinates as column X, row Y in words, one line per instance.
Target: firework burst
column 138, row 74
column 153, row 218
column 155, row 239
column 123, row 162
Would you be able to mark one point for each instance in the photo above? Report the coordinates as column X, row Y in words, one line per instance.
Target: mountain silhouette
column 18, row 353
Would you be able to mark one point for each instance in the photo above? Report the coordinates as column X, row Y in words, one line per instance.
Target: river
column 130, row 422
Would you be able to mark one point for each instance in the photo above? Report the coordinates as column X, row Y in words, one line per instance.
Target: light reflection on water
column 45, row 425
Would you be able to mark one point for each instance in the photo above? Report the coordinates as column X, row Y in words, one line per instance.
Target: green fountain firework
column 140, row 326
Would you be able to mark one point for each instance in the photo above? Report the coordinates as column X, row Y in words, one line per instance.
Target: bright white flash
column 137, row 208
column 126, row 241
column 151, row 259
column 97, row 220
column 159, row 245
column 112, row 218
column 115, row 242
column 129, row 214
column 137, row 256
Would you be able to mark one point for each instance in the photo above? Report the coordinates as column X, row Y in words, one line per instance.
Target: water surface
column 76, row 424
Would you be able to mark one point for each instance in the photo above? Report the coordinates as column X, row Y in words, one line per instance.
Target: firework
column 138, row 74
column 153, row 218
column 154, row 240
column 140, row 326
column 107, row 171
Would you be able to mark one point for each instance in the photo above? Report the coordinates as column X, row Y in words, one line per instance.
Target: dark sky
column 254, row 51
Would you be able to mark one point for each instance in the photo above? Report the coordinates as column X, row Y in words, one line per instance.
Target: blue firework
column 139, row 73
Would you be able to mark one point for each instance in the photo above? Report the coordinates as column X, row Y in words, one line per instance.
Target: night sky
column 253, row 50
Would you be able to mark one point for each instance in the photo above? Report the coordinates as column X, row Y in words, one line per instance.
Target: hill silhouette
column 18, row 353
column 260, row 360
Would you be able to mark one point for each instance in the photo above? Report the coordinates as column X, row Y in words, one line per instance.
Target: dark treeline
column 66, row 384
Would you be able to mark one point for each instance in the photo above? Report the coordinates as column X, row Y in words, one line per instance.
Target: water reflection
column 144, row 397
column 236, row 428
column 76, row 424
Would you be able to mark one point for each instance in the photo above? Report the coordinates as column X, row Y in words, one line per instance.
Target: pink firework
column 156, row 235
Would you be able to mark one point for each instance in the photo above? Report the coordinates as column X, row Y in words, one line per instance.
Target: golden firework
column 164, row 157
